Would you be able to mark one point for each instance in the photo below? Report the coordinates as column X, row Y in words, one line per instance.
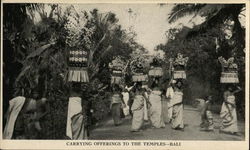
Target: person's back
column 138, row 108
column 156, row 106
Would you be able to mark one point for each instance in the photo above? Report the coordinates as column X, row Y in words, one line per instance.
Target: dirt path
column 191, row 120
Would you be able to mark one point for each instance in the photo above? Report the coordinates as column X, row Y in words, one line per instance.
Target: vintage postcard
column 124, row 74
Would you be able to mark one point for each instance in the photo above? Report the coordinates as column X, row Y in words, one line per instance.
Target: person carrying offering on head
column 229, row 76
column 177, row 104
column 155, row 113
column 77, row 118
column 138, row 108
column 169, row 96
column 228, row 111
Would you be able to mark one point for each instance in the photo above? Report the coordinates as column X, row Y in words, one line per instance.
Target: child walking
column 207, row 123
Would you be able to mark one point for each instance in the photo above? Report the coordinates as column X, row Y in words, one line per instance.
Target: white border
column 193, row 145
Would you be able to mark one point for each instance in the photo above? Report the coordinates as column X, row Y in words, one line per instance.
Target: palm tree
column 214, row 15
column 107, row 40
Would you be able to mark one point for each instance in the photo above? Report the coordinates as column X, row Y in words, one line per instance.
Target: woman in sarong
column 116, row 104
column 177, row 106
column 169, row 97
column 23, row 118
column 156, row 108
column 138, row 108
column 228, row 111
column 77, row 119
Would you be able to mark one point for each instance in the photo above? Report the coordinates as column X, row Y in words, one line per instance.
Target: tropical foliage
column 38, row 49
column 221, row 34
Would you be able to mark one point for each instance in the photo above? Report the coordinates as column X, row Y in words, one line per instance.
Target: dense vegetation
column 36, row 53
column 221, row 34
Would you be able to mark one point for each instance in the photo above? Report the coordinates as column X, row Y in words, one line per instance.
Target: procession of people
column 144, row 101
column 165, row 106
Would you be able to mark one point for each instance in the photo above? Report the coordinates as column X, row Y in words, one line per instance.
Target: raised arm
column 130, row 88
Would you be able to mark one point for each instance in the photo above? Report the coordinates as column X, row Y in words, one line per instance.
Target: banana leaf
column 39, row 51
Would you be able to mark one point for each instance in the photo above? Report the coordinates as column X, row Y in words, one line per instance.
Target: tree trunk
column 239, row 35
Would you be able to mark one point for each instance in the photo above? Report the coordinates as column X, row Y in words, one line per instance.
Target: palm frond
column 214, row 16
column 182, row 10
column 210, row 10
column 15, row 14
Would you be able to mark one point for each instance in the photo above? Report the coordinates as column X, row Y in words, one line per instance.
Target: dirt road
column 107, row 131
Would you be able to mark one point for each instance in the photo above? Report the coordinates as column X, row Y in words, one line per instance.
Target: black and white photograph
column 124, row 71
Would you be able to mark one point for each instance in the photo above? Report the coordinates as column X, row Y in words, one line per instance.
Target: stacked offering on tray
column 229, row 72
column 78, row 66
column 137, row 67
column 117, row 66
column 179, row 66
column 155, row 69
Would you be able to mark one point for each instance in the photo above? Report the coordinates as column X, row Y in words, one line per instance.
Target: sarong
column 116, row 113
column 138, row 112
column 156, row 110
column 74, row 107
column 229, row 116
column 177, row 121
column 177, row 114
column 79, row 132
column 116, row 105
column 165, row 115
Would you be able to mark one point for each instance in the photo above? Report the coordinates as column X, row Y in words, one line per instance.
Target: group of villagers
column 228, row 114
column 143, row 101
